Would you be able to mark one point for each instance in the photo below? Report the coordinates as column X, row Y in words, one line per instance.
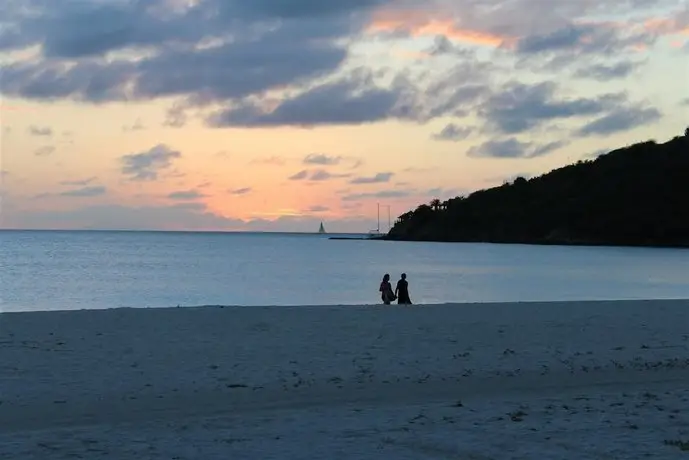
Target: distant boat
column 321, row 229
column 377, row 233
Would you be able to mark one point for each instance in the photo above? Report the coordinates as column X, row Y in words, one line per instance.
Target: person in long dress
column 385, row 289
column 402, row 291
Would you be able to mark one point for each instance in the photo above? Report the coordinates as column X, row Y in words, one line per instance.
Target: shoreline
column 369, row 381
column 456, row 304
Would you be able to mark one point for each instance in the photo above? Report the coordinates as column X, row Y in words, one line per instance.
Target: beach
column 569, row 380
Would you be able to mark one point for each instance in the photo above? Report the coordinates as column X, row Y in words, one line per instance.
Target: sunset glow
column 222, row 115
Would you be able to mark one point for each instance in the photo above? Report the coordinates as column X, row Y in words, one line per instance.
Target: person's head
column 404, row 276
column 386, row 278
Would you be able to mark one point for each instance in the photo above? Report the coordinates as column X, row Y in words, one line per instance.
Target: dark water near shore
column 45, row 270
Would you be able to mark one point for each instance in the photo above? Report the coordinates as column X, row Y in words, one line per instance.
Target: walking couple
column 401, row 292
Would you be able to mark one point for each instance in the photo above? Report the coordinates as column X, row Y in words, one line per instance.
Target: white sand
column 603, row 380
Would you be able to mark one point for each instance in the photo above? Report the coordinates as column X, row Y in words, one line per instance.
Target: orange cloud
column 419, row 24
column 666, row 26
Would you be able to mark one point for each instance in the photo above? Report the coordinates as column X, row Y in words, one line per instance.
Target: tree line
column 637, row 195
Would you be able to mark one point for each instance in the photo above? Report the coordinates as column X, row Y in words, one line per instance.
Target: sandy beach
column 570, row 380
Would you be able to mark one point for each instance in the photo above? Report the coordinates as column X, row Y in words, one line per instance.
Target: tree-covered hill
column 637, row 195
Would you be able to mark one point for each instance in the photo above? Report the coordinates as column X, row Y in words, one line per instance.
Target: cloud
column 176, row 116
column 241, row 191
column 301, row 175
column 268, row 63
column 419, row 23
column 136, row 126
column 377, row 179
column 684, row 102
column 621, row 120
column 380, row 194
column 40, row 131
column 85, row 192
column 321, row 174
column 318, row 209
column 322, row 159
column 210, row 50
column 350, row 101
column 576, row 39
column 519, row 107
column 454, row 133
column 146, row 166
column 184, row 195
column 513, row 148
column 316, row 175
column 607, row 72
column 79, row 182
column 272, row 160
column 44, row 151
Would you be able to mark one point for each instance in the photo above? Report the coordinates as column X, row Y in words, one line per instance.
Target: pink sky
column 205, row 115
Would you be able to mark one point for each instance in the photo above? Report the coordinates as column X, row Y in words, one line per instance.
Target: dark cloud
column 40, row 131
column 442, row 46
column 513, row 148
column 556, row 40
column 606, row 72
column 146, row 166
column 316, row 175
column 454, row 133
column 244, row 58
column 85, row 192
column 621, row 120
column 377, row 179
column 301, row 175
column 229, row 55
column 318, row 208
column 241, row 191
column 44, row 151
column 322, row 159
column 518, row 107
column 684, row 102
column 79, row 183
column 585, row 39
column 185, row 195
column 303, row 8
column 346, row 101
column 320, row 175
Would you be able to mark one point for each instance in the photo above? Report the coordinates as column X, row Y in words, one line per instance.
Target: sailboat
column 376, row 233
column 321, row 229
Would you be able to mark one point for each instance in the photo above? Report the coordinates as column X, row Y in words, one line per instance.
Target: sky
column 275, row 115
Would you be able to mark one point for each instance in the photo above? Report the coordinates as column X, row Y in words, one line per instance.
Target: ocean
column 65, row 270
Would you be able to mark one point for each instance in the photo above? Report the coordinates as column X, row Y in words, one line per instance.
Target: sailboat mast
column 389, row 228
column 378, row 227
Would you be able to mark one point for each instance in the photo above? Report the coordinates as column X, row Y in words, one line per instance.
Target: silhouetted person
column 402, row 291
column 386, row 293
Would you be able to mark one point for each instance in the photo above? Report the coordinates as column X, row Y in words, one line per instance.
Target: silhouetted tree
column 637, row 195
column 435, row 204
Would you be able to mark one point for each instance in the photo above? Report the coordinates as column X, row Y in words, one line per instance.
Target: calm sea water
column 76, row 270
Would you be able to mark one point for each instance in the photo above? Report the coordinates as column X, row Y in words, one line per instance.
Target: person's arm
column 397, row 288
